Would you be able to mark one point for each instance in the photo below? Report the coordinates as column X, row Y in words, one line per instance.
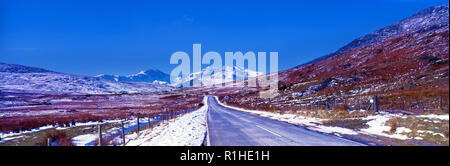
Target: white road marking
column 268, row 131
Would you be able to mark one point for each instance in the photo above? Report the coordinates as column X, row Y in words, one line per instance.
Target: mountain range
column 227, row 74
column 20, row 78
column 143, row 76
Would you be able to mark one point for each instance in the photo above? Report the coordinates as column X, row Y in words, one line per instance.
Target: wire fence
column 114, row 132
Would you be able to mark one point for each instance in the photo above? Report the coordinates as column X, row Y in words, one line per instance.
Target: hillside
column 427, row 20
column 408, row 72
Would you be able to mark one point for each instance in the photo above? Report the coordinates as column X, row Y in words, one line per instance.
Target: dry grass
column 428, row 129
column 354, row 124
column 61, row 138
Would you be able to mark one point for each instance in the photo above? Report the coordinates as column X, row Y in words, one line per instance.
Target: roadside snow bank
column 377, row 126
column 82, row 140
column 434, row 116
column 186, row 130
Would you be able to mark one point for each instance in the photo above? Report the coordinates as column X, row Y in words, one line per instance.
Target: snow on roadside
column 434, row 116
column 377, row 126
column 186, row 130
column 82, row 140
column 333, row 129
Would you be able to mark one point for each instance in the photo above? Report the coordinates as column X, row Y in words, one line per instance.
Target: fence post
column 334, row 104
column 359, row 104
column 123, row 132
column 49, row 141
column 375, row 103
column 100, row 141
column 328, row 103
column 149, row 124
column 165, row 116
column 138, row 128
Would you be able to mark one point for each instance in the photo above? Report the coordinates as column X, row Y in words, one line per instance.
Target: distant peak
column 143, row 72
column 150, row 76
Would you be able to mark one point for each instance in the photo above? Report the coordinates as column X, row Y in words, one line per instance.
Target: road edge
column 206, row 140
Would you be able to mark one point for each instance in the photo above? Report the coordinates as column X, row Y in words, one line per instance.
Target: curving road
column 228, row 127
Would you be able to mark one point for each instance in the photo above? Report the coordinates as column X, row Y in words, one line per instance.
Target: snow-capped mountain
column 227, row 74
column 143, row 76
column 426, row 20
column 30, row 79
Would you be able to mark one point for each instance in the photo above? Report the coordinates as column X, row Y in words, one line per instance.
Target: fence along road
column 228, row 127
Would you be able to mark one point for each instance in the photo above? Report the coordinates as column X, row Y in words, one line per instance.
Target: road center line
column 268, row 131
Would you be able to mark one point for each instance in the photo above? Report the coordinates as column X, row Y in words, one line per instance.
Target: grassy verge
column 425, row 129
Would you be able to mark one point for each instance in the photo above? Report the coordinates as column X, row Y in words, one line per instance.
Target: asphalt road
column 228, row 127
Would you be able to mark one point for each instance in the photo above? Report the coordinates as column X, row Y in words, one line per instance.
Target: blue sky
column 89, row 37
